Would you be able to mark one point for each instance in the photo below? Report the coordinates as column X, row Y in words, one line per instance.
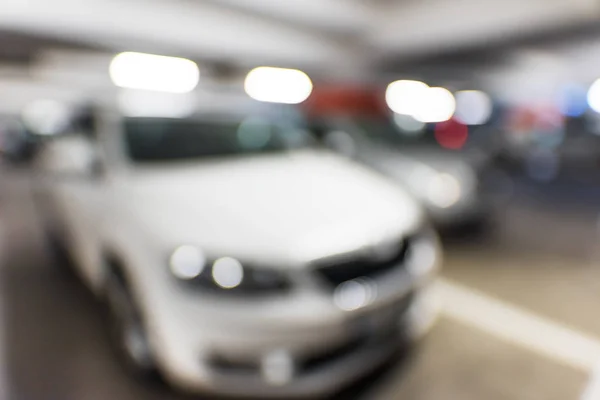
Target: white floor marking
column 592, row 391
column 521, row 327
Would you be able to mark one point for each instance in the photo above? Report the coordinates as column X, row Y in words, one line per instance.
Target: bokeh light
column 153, row 72
column 406, row 97
column 227, row 272
column 439, row 106
column 444, row 190
column 451, row 134
column 572, row 101
column 473, row 107
column 278, row 85
column 187, row 262
column 354, row 294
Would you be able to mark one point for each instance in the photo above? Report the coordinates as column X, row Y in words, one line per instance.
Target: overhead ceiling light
column 439, row 106
column 406, row 97
column 154, row 72
column 278, row 85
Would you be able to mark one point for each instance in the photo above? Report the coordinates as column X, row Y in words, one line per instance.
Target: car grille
column 335, row 274
column 388, row 333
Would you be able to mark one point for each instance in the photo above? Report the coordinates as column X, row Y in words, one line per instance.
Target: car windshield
column 166, row 139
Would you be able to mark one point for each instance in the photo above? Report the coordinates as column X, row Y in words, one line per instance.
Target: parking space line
column 526, row 329
column 519, row 326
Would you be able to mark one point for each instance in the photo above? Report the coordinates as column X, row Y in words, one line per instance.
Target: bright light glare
column 406, row 97
column 153, row 72
column 473, row 107
column 593, row 96
column 45, row 117
column 439, row 106
column 354, row 294
column 444, row 191
column 419, row 101
column 227, row 272
column 187, row 262
column 278, row 85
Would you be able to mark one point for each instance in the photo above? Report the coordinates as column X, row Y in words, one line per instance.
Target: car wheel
column 127, row 328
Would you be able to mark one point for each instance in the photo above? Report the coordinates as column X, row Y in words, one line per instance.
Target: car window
column 165, row 139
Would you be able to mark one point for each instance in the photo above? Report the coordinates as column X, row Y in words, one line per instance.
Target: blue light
column 573, row 101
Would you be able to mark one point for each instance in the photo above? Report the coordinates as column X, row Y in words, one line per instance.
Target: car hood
column 284, row 209
column 412, row 167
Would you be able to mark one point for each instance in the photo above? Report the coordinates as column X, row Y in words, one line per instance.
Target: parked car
column 449, row 184
column 447, row 167
column 234, row 257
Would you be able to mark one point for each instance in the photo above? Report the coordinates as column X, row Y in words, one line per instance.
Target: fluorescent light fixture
column 154, row 72
column 406, row 97
column 418, row 100
column 473, row 107
column 439, row 106
column 278, row 85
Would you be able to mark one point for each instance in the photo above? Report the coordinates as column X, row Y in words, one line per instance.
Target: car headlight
column 190, row 264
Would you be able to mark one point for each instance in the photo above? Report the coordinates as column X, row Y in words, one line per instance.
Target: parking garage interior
column 518, row 290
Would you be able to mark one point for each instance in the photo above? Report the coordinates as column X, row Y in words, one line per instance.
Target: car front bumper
column 323, row 352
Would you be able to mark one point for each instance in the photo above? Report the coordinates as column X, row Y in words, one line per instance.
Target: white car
column 233, row 257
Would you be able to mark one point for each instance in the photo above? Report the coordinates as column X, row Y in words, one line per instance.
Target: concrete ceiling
column 68, row 43
column 322, row 34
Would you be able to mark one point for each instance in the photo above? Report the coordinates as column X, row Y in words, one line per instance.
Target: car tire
column 127, row 330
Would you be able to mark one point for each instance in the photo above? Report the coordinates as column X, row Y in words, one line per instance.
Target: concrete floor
column 540, row 259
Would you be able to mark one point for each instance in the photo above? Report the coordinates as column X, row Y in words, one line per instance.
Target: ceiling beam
column 426, row 26
column 194, row 29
